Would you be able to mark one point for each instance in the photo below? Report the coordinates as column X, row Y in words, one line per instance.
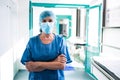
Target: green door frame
column 92, row 50
column 48, row 5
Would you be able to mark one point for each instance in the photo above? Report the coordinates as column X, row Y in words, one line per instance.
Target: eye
column 44, row 21
column 50, row 20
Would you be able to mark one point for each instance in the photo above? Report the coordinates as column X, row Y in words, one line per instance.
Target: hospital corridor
column 59, row 39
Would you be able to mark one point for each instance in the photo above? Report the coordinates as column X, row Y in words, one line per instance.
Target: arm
column 58, row 63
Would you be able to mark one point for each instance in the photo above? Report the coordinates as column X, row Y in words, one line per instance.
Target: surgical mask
column 47, row 27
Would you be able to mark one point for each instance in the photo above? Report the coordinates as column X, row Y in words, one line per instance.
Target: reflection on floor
column 69, row 75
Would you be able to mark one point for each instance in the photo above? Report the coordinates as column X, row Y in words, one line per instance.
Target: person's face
column 47, row 25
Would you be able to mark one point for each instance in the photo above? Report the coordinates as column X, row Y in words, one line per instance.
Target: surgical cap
column 45, row 14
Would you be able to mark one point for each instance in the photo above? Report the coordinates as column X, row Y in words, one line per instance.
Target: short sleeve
column 64, row 50
column 26, row 54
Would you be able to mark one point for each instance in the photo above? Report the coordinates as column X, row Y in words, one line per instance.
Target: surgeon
column 46, row 54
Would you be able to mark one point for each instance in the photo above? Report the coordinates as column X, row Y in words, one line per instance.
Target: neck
column 47, row 35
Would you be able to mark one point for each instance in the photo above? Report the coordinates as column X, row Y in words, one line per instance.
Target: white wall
column 23, row 31
column 111, row 30
column 14, row 32
column 113, row 13
column 5, row 43
column 6, row 66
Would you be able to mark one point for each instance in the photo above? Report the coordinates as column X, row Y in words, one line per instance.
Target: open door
column 93, row 35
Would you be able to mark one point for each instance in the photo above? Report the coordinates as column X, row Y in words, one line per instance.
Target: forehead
column 48, row 18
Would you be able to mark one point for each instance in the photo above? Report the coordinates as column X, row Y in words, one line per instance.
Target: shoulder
column 59, row 37
column 34, row 38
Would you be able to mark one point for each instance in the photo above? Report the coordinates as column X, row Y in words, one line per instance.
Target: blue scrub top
column 37, row 51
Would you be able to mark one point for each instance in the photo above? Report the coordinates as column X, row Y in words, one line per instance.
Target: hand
column 61, row 58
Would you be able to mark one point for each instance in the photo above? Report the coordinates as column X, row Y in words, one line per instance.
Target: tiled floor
column 69, row 75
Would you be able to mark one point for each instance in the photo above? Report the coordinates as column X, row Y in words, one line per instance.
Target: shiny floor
column 69, row 75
